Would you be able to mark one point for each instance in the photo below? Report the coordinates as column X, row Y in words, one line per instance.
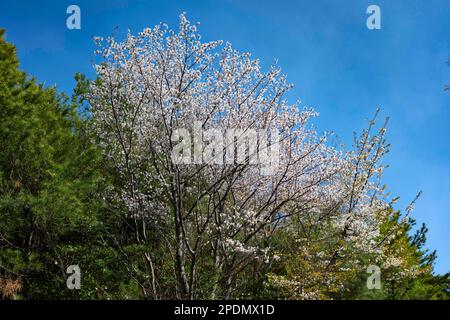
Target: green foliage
column 414, row 278
column 48, row 182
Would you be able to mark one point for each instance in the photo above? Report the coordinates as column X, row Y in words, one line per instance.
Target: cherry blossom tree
column 157, row 89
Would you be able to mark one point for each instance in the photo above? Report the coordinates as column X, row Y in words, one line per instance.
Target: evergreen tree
column 47, row 179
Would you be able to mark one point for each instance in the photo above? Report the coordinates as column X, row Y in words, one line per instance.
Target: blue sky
column 337, row 65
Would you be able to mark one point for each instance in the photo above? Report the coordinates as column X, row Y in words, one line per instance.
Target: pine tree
column 47, row 178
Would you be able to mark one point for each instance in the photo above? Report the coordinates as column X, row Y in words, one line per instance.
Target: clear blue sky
column 338, row 66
